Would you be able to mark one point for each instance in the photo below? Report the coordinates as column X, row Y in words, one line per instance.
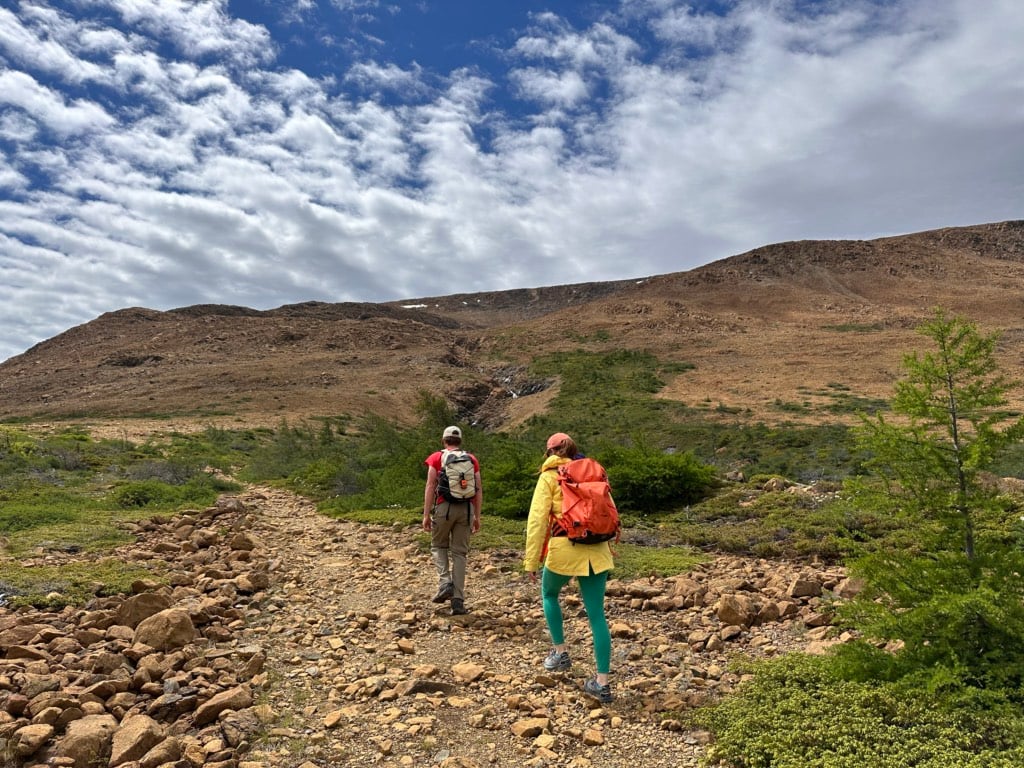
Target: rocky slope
column 285, row 639
column 780, row 324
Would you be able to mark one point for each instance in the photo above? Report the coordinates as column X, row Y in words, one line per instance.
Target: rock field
column 283, row 639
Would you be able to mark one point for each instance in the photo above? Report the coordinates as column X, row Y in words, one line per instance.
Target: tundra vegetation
column 907, row 500
column 936, row 675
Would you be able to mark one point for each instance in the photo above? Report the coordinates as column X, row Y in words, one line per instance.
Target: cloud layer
column 164, row 153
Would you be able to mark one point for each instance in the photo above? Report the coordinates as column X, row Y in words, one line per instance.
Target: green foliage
column 510, row 477
column 25, row 508
column 73, row 583
column 605, row 401
column 744, row 520
column 797, row 713
column 633, row 560
column 954, row 597
column 367, row 464
column 647, row 481
column 804, row 454
column 604, row 397
column 287, row 450
column 66, row 492
column 200, row 490
column 215, row 447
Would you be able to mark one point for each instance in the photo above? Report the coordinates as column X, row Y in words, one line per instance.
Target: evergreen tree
column 952, row 599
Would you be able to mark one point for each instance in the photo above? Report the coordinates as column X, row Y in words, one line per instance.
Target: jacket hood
column 553, row 461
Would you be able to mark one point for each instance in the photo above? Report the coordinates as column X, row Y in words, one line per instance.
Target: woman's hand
column 533, row 576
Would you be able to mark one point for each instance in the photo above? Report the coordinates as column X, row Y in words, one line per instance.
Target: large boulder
column 166, row 630
column 87, row 741
column 134, row 738
column 233, row 699
column 29, row 739
column 140, row 607
column 738, row 610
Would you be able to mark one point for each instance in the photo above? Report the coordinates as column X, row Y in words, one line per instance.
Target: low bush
column 200, row 491
column 795, row 712
column 648, row 482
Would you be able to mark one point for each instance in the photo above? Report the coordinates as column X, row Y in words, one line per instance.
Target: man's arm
column 429, row 496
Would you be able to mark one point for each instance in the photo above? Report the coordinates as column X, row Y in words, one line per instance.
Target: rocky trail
column 285, row 639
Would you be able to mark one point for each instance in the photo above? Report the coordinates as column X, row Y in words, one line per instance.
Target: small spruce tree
column 951, row 601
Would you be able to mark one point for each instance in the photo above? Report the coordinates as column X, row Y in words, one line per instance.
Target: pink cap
column 557, row 439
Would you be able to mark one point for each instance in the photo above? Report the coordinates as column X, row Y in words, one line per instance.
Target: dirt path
column 363, row 669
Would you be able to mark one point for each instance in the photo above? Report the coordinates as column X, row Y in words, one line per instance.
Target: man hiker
column 451, row 512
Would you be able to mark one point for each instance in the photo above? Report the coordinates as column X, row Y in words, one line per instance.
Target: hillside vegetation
column 832, row 404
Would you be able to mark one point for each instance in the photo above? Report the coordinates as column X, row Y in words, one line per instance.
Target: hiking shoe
column 557, row 662
column 458, row 608
column 595, row 690
column 444, row 593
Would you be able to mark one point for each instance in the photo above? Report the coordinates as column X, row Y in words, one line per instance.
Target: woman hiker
column 590, row 564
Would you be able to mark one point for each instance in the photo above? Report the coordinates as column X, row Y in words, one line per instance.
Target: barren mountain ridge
column 780, row 324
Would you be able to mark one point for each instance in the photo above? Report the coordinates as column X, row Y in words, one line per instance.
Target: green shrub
column 143, row 493
column 796, row 712
column 647, row 482
column 201, row 490
column 510, row 477
column 169, row 472
column 287, row 450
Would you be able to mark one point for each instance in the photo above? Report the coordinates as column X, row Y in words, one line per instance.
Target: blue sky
column 163, row 153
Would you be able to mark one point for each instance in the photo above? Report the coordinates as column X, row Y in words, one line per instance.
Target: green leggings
column 592, row 590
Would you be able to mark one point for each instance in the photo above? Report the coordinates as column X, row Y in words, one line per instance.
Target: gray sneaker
column 594, row 689
column 557, row 662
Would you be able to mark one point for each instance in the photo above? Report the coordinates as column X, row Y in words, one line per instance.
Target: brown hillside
column 768, row 330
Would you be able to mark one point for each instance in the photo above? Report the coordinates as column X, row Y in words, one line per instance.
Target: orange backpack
column 588, row 514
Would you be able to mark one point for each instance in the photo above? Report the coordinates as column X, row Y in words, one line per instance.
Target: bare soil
column 364, row 669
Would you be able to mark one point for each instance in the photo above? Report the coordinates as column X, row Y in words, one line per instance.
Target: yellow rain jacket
column 563, row 557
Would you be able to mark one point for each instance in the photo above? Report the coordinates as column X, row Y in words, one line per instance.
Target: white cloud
column 192, row 168
column 561, row 89
column 49, row 107
column 200, row 28
column 390, row 77
column 44, row 43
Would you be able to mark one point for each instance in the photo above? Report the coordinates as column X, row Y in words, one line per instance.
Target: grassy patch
column 52, row 586
column 93, row 532
column 636, row 560
column 744, row 520
column 599, row 336
column 66, row 493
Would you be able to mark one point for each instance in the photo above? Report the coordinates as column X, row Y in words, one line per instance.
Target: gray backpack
column 457, row 479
